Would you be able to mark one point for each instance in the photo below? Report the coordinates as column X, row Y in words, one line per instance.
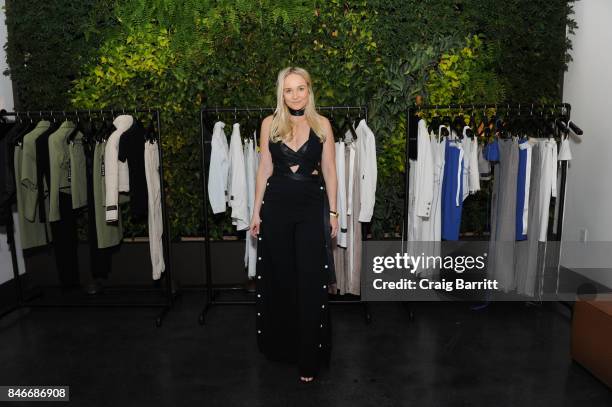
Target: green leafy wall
column 181, row 55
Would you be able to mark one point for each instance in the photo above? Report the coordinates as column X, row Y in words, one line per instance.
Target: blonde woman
column 294, row 218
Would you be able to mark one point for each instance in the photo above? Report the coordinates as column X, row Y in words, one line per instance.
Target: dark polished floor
column 508, row 354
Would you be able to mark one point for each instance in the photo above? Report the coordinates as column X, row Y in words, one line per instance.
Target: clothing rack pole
column 169, row 296
column 210, row 290
column 559, row 231
column 409, row 137
column 166, row 227
column 518, row 107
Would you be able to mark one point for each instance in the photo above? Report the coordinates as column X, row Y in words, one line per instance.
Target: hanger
column 150, row 134
column 54, row 123
column 472, row 125
column 577, row 130
column 247, row 125
column 446, row 120
column 550, row 122
column 78, row 128
column 434, row 125
column 360, row 116
column 347, row 125
column 334, row 124
column 28, row 127
column 483, row 124
column 91, row 129
column 104, row 129
column 443, row 132
column 492, row 123
column 457, row 125
column 570, row 125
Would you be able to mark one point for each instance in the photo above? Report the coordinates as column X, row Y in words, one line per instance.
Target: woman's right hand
column 254, row 227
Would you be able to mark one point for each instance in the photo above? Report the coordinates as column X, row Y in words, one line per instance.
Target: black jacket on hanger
column 131, row 148
column 7, row 179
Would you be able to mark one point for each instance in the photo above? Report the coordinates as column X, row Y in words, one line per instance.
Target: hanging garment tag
column 69, row 173
column 102, row 172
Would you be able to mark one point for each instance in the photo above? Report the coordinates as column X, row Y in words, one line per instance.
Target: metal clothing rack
column 210, row 291
column 166, row 291
column 525, row 108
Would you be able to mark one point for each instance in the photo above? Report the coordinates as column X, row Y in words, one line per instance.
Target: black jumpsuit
column 293, row 265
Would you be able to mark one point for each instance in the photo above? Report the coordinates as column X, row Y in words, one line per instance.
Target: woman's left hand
column 333, row 221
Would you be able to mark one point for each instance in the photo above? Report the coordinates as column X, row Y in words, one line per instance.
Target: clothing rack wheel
column 366, row 313
column 160, row 318
column 408, row 306
column 204, row 312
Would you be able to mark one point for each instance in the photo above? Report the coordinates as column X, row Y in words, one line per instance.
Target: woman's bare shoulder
column 324, row 120
column 267, row 120
column 325, row 124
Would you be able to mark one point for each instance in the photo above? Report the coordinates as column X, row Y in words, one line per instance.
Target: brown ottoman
column 592, row 336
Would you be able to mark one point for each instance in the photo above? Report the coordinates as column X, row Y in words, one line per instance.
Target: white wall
column 588, row 87
column 6, row 102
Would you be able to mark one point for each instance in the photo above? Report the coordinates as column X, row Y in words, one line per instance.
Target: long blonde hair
column 281, row 124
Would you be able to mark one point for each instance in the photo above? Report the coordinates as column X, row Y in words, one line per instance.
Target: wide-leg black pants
column 293, row 318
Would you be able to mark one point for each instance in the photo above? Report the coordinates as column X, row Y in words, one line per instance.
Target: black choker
column 296, row 112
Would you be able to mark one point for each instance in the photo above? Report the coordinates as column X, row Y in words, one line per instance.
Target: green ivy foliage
column 233, row 61
column 463, row 75
column 526, row 38
column 443, row 72
column 403, row 80
column 180, row 55
column 341, row 53
column 46, row 48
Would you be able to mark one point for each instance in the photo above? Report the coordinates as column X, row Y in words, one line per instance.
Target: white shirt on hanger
column 218, row 169
column 471, row 174
column 156, row 225
column 341, row 239
column 474, row 174
column 548, row 184
column 117, row 176
column 366, row 144
column 424, row 172
column 565, row 152
column 351, row 174
column 420, row 190
column 250, row 159
column 433, row 225
column 484, row 166
column 237, row 178
column 526, row 146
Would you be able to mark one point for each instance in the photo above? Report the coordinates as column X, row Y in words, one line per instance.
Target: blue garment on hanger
column 491, row 151
column 452, row 191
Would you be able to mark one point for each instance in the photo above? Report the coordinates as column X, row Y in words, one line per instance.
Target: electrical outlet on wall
column 583, row 235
